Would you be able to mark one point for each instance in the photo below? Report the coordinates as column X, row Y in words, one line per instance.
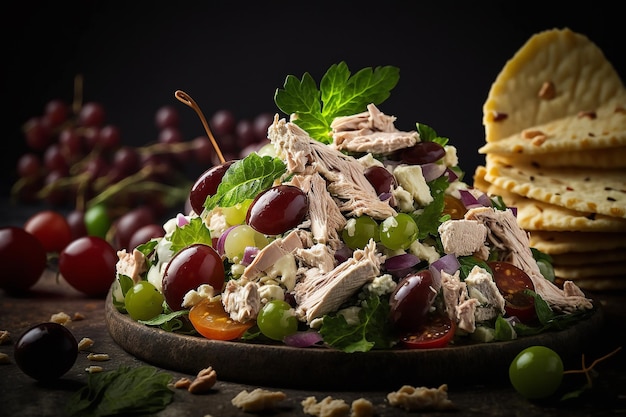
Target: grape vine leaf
column 340, row 94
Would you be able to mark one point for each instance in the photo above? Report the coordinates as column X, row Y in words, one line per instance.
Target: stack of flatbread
column 555, row 125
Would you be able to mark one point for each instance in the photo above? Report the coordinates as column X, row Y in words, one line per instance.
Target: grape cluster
column 75, row 156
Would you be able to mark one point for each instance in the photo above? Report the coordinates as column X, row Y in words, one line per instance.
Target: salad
column 344, row 232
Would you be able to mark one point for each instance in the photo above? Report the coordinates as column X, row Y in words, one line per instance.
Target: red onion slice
column 249, row 253
column 452, row 176
column 448, row 263
column 222, row 239
column 303, row 339
column 468, row 200
column 399, row 262
column 432, row 171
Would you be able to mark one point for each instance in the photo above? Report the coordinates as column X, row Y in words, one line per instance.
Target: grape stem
column 587, row 369
column 186, row 99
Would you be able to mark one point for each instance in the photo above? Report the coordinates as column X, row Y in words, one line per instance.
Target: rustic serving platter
column 319, row 368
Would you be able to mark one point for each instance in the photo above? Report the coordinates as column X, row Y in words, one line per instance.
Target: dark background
column 234, row 55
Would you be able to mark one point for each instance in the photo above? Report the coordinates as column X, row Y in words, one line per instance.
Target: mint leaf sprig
column 340, row 94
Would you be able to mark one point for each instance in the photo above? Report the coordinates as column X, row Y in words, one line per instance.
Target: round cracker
column 563, row 242
column 577, row 69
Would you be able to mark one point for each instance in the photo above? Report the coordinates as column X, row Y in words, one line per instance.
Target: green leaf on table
column 125, row 391
column 340, row 94
column 245, row 179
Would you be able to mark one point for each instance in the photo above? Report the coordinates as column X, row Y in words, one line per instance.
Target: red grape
column 423, row 153
column 129, row 223
column 206, row 185
column 23, row 259
column 46, row 351
column 144, row 234
column 88, row 264
column 91, row 114
column 37, row 133
column 191, row 267
column 381, row 179
column 166, row 116
column 277, row 209
column 55, row 113
column 411, row 300
column 223, row 122
column 51, row 228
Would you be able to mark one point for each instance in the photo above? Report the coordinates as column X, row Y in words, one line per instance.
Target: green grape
column 239, row 238
column 359, row 231
column 97, row 221
column 143, row 301
column 236, row 214
column 398, row 232
column 536, row 372
column 277, row 320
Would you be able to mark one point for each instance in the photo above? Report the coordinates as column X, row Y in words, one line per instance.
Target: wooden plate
column 326, row 369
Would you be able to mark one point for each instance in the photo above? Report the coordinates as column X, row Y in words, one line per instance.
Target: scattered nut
column 257, row 400
column 93, row 369
column 327, row 407
column 182, row 383
column 204, row 381
column 61, row 318
column 422, row 398
column 85, row 343
column 362, row 407
column 78, row 316
column 4, row 358
column 5, row 337
column 98, row 357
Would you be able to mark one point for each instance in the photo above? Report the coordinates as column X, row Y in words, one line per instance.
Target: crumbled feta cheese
column 410, row 178
column 193, row 297
column 424, row 251
column 403, row 199
column 285, row 268
column 381, row 285
column 271, row 292
column 351, row 314
column 450, row 159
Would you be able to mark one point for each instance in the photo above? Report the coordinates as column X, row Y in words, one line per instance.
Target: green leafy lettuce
column 340, row 94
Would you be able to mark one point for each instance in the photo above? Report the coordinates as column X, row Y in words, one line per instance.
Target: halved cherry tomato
column 435, row 332
column 211, row 321
column 512, row 281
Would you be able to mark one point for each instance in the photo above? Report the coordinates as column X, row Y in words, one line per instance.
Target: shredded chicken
column 344, row 175
column 241, row 300
column 370, row 132
column 320, row 293
column 131, row 265
column 270, row 254
column 504, row 233
column 324, row 214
